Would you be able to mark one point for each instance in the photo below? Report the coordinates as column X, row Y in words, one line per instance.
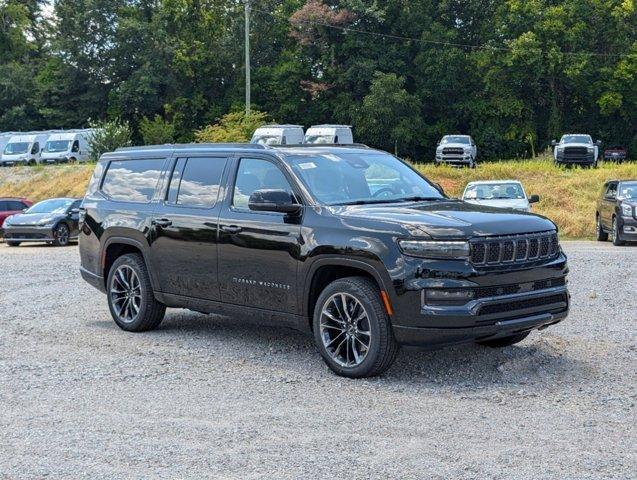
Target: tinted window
column 76, row 146
column 255, row 174
column 4, row 206
column 15, row 206
column 195, row 182
column 132, row 180
column 612, row 190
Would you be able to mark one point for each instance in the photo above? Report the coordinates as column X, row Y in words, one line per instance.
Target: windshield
column 267, row 140
column 352, row 178
column 51, row 206
column 628, row 190
column 577, row 139
column 16, row 148
column 455, row 139
column 324, row 139
column 57, row 146
column 499, row 191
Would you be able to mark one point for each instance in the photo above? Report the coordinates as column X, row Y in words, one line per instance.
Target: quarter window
column 132, row 180
column 195, row 182
column 256, row 174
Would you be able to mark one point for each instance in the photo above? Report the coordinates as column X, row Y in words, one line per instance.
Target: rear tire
column 13, row 244
column 505, row 341
column 602, row 236
column 130, row 295
column 349, row 316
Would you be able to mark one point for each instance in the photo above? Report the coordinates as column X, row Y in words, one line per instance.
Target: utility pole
column 248, row 8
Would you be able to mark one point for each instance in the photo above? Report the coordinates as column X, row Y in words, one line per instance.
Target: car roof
column 327, row 125
column 14, row 198
column 275, row 125
column 493, row 182
column 230, row 148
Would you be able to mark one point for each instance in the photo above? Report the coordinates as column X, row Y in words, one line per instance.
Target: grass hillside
column 568, row 196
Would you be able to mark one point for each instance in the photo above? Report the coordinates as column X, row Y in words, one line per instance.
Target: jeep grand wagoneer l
column 348, row 243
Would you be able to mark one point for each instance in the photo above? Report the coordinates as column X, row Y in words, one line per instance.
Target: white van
column 4, row 139
column 329, row 134
column 70, row 146
column 278, row 135
column 24, row 149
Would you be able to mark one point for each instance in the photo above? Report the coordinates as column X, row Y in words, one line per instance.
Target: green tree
column 156, row 131
column 233, row 127
column 389, row 116
column 108, row 136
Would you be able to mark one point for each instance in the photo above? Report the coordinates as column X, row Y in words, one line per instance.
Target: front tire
column 505, row 341
column 352, row 330
column 602, row 236
column 13, row 244
column 130, row 295
column 61, row 235
column 615, row 233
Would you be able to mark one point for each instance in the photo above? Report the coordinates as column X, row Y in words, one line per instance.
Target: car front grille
column 575, row 151
column 552, row 303
column 517, row 249
column 452, row 151
column 512, row 289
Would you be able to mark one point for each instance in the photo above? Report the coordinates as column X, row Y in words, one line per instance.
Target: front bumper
column 11, row 163
column 505, row 301
column 50, row 161
column 576, row 159
column 628, row 229
column 459, row 160
column 29, row 234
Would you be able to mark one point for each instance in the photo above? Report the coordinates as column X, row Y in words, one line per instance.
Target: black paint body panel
column 228, row 260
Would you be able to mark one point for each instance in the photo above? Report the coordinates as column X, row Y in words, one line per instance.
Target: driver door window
column 35, row 149
column 611, row 193
column 257, row 174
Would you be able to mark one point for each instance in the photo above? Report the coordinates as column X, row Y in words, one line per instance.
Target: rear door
column 258, row 251
column 608, row 205
column 184, row 238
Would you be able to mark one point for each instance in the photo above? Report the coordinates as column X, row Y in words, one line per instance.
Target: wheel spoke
column 342, row 317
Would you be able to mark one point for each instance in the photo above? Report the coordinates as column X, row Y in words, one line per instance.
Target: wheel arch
column 115, row 247
column 326, row 270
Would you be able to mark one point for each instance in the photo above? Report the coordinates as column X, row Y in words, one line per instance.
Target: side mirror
column 273, row 201
column 553, row 143
column 598, row 143
column 74, row 211
column 534, row 198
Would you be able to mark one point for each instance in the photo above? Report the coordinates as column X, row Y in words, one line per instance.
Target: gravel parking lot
column 207, row 397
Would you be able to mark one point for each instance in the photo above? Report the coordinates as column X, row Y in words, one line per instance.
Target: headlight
column 560, row 149
column 591, row 149
column 48, row 222
column 435, row 249
column 627, row 210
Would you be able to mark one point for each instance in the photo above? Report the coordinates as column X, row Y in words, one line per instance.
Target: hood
column 23, row 219
column 514, row 203
column 448, row 219
column 454, row 145
column 587, row 145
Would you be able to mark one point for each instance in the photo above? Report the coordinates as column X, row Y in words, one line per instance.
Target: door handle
column 161, row 222
column 231, row 229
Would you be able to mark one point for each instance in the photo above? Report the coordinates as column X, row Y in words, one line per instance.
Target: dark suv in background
column 348, row 243
column 617, row 212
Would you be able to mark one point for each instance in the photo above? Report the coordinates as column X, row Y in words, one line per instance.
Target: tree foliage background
column 513, row 73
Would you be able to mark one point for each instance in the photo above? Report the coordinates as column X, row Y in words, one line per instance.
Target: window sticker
column 307, row 165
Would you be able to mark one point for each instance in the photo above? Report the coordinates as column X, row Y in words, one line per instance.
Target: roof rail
column 174, row 146
column 320, row 145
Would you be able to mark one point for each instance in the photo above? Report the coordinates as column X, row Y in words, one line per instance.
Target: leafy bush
column 156, row 131
column 233, row 127
column 108, row 136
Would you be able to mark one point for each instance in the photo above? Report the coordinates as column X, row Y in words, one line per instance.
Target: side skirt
column 243, row 313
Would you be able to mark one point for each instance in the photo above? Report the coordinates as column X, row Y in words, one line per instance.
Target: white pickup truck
column 458, row 150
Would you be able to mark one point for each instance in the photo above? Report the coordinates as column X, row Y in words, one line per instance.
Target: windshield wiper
column 390, row 200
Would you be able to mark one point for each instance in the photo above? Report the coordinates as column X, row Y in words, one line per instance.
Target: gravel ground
column 207, row 397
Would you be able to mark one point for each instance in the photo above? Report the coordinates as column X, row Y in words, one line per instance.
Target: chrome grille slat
column 514, row 249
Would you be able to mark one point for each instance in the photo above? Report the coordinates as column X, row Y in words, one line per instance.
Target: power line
column 431, row 42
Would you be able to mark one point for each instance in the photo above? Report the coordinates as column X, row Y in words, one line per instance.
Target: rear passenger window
column 4, row 206
column 15, row 206
column 195, row 182
column 132, row 180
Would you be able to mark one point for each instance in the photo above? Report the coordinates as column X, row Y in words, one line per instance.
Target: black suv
column 617, row 212
column 348, row 243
